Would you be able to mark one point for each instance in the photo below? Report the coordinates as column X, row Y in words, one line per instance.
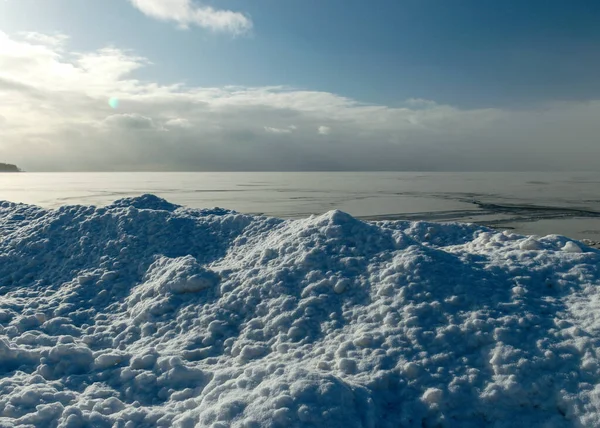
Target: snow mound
column 145, row 313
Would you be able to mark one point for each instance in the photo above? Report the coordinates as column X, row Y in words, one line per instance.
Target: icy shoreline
column 144, row 313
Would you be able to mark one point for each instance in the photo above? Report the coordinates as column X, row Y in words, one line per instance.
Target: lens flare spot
column 113, row 102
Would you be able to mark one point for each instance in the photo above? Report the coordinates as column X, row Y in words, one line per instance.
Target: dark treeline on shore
column 7, row 167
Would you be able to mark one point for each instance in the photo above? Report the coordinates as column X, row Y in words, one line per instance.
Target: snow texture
column 144, row 314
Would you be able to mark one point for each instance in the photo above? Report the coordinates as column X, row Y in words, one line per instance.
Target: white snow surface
column 144, row 314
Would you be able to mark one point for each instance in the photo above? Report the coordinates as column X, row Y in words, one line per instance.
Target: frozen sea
column 527, row 202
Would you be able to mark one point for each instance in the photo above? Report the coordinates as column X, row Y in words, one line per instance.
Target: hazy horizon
column 167, row 171
column 186, row 85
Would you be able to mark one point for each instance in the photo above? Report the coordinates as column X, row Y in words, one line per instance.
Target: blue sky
column 467, row 53
column 468, row 56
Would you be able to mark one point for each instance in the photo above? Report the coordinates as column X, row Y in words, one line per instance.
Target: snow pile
column 145, row 314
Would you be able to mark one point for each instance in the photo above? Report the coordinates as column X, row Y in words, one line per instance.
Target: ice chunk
column 572, row 247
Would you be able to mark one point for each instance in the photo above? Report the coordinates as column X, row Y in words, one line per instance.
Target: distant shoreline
column 7, row 167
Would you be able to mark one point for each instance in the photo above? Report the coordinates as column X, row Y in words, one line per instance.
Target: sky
column 223, row 85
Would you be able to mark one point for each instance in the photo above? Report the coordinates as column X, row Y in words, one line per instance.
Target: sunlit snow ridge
column 144, row 313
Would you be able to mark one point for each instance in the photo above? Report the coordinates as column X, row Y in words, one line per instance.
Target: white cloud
column 178, row 122
column 287, row 130
column 419, row 102
column 186, row 13
column 131, row 121
column 56, row 116
column 324, row 130
column 44, row 39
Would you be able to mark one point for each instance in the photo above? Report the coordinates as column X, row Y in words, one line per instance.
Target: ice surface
column 144, row 313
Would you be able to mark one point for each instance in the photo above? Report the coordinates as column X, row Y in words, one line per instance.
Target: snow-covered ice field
column 143, row 313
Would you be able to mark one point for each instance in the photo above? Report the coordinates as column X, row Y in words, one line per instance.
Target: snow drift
column 144, row 313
